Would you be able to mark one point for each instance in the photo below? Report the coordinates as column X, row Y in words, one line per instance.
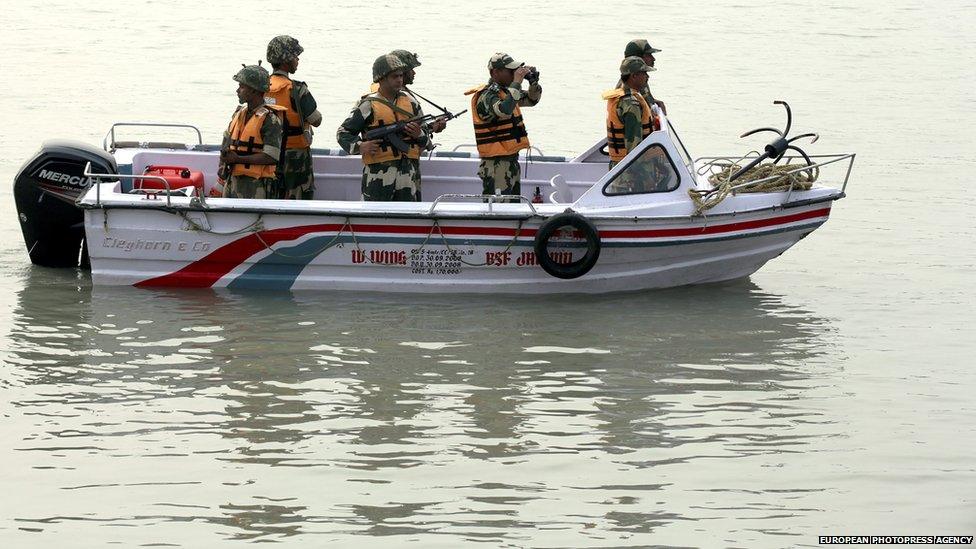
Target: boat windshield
column 682, row 150
column 651, row 172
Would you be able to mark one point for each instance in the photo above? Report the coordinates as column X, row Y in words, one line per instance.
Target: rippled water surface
column 829, row 394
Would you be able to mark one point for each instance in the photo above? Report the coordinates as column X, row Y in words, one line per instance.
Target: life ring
column 576, row 268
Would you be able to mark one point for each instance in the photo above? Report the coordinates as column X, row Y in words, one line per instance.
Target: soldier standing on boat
column 628, row 114
column 301, row 114
column 251, row 149
column 388, row 174
column 645, row 51
column 498, row 127
column 412, row 61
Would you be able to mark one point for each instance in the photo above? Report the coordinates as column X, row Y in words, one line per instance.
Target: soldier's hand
column 412, row 129
column 438, row 125
column 520, row 73
column 660, row 105
column 369, row 147
column 229, row 157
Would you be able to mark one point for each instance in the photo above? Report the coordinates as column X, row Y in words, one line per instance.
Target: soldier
column 388, row 174
column 628, row 114
column 301, row 114
column 642, row 49
column 630, row 121
column 498, row 127
column 252, row 143
column 412, row 62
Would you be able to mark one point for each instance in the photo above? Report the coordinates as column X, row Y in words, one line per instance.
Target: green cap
column 254, row 76
column 282, row 49
column 409, row 59
column 633, row 64
column 639, row 47
column 386, row 64
column 503, row 61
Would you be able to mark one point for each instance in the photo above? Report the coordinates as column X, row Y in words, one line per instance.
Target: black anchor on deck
column 778, row 147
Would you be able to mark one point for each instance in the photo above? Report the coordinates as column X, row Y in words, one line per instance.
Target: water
column 829, row 394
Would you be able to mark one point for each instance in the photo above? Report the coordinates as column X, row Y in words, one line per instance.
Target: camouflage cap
column 386, row 64
column 633, row 64
column 409, row 59
column 639, row 47
column 254, row 76
column 503, row 61
column 282, row 49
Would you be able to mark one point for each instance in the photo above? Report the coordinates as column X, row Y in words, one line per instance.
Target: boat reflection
column 373, row 384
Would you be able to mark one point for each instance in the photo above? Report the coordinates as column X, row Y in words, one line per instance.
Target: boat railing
column 528, row 156
column 97, row 177
column 710, row 165
column 109, row 143
column 491, row 199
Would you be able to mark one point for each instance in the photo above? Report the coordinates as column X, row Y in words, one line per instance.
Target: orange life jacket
column 283, row 93
column 501, row 137
column 383, row 115
column 245, row 138
column 616, row 144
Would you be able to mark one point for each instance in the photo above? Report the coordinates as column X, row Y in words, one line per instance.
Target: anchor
column 778, row 147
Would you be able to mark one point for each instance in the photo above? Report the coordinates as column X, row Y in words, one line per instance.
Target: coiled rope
column 782, row 178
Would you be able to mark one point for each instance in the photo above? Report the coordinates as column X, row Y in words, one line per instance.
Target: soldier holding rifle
column 389, row 173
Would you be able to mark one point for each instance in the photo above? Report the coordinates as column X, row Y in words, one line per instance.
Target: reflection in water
column 482, row 418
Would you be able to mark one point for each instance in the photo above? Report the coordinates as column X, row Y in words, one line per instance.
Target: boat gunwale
column 484, row 216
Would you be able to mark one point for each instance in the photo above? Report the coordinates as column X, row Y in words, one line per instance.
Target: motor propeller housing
column 45, row 191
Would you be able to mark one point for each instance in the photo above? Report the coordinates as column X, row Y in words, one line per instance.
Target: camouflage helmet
column 282, row 49
column 633, row 64
column 254, row 76
column 409, row 59
column 639, row 47
column 386, row 64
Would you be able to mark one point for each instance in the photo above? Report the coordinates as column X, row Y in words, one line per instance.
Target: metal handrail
column 98, row 186
column 833, row 158
column 491, row 199
column 111, row 131
column 473, row 145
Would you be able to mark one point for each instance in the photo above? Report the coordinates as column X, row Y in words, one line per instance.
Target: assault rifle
column 392, row 133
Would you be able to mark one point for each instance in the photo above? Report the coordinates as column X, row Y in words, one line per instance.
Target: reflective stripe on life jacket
column 616, row 142
column 245, row 138
column 284, row 93
column 383, row 115
column 501, row 137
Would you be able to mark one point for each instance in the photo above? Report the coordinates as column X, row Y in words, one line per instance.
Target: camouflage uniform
column 503, row 172
column 629, row 109
column 297, row 177
column 639, row 48
column 242, row 186
column 394, row 180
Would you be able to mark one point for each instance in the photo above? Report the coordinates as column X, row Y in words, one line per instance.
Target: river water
column 829, row 394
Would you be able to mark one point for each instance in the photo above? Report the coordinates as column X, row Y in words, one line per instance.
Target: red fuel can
column 177, row 177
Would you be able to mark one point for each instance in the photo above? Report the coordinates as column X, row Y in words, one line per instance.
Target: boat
column 578, row 228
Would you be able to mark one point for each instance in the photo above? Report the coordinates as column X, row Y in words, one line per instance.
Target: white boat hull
column 297, row 252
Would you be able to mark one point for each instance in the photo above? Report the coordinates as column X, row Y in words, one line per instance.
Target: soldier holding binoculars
column 498, row 126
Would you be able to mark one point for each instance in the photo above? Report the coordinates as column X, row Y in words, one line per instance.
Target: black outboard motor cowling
column 45, row 192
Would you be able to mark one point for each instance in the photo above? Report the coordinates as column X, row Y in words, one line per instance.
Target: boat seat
column 561, row 194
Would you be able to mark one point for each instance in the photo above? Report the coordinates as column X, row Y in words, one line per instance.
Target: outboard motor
column 45, row 191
